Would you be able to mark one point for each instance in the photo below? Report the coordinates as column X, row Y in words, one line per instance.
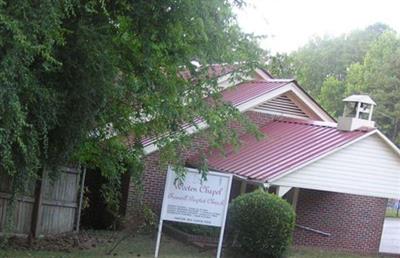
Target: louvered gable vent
column 281, row 105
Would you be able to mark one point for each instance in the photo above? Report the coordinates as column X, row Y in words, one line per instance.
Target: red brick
column 354, row 222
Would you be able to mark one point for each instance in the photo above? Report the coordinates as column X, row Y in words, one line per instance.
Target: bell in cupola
column 357, row 113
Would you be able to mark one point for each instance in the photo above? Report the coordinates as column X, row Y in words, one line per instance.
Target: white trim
column 322, row 156
column 291, row 86
column 150, row 149
column 358, row 110
column 282, row 190
column 339, row 190
column 242, row 178
column 263, row 74
column 312, row 104
column 389, row 142
column 190, row 130
column 281, row 80
column 265, row 97
column 370, row 113
column 225, row 82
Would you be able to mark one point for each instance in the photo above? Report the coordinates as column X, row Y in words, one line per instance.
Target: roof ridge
column 268, row 81
column 280, row 80
column 307, row 122
column 319, row 124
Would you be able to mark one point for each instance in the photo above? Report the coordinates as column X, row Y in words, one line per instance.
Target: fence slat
column 59, row 204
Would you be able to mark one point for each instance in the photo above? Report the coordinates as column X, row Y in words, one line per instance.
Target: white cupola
column 357, row 113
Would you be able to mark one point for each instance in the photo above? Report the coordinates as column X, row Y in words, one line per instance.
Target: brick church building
column 338, row 175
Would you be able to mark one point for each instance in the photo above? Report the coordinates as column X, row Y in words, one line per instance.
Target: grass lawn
column 143, row 246
column 392, row 213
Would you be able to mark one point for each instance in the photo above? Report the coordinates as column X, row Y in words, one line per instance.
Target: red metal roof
column 287, row 145
column 237, row 95
column 250, row 90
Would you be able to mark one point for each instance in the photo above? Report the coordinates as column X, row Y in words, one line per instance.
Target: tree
column 77, row 78
column 326, row 57
column 332, row 92
column 381, row 79
column 281, row 65
column 355, row 80
column 323, row 57
column 361, row 62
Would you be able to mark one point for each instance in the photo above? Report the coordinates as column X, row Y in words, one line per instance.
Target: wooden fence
column 49, row 207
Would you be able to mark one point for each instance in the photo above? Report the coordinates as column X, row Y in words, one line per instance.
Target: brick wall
column 154, row 175
column 354, row 222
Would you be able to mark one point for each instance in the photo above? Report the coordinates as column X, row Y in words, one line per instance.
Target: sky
column 289, row 24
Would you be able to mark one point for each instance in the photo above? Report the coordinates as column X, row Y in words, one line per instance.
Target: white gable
column 367, row 167
column 297, row 96
column 289, row 104
column 281, row 105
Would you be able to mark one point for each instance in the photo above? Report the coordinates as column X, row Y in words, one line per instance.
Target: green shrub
column 264, row 223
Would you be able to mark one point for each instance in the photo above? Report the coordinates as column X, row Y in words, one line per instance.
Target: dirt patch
column 64, row 243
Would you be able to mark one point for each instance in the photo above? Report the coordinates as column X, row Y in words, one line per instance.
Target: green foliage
column 361, row 62
column 281, row 66
column 331, row 56
column 27, row 45
column 332, row 93
column 150, row 219
column 379, row 76
column 264, row 223
column 355, row 79
column 74, row 74
column 324, row 57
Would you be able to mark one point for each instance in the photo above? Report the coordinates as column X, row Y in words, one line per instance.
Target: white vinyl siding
column 368, row 167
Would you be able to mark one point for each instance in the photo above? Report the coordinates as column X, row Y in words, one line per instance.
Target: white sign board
column 196, row 201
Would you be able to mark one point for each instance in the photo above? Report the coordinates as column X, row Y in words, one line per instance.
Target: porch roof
column 288, row 144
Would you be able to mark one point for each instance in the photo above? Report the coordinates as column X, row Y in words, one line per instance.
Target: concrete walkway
column 390, row 242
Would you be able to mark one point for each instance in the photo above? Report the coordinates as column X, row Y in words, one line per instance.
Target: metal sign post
column 158, row 238
column 196, row 201
column 221, row 235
